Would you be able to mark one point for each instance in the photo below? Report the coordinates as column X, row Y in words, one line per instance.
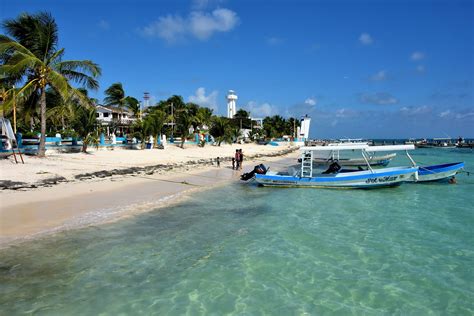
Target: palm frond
column 8, row 44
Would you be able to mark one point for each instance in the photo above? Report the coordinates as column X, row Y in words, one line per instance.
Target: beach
column 68, row 191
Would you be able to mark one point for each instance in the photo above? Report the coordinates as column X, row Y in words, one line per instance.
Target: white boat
column 335, row 176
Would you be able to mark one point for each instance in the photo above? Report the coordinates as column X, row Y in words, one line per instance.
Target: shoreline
column 27, row 214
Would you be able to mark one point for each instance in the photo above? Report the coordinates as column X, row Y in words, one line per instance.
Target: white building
column 303, row 130
column 108, row 114
column 231, row 104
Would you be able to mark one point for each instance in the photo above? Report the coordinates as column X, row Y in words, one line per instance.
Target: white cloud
column 379, row 76
column 203, row 25
column 460, row 116
column 311, row 101
column 199, row 24
column 344, row 113
column 200, row 98
column 412, row 110
column 366, row 39
column 379, row 98
column 104, row 25
column 273, row 41
column 445, row 113
column 415, row 56
column 261, row 110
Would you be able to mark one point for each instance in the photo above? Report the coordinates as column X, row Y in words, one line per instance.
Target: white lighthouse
column 231, row 107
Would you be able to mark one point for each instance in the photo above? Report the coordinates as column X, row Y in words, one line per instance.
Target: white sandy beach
column 29, row 213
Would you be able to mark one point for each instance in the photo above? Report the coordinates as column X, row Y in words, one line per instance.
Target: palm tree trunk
column 42, row 144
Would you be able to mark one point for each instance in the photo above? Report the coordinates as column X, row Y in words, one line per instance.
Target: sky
column 360, row 69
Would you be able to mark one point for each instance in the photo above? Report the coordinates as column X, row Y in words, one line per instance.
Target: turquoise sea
column 245, row 250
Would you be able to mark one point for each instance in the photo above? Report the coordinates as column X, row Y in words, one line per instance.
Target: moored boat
column 438, row 172
column 337, row 177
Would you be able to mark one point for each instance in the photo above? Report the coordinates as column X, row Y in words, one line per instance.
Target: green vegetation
column 36, row 80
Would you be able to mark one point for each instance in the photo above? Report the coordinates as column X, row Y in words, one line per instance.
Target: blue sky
column 371, row 69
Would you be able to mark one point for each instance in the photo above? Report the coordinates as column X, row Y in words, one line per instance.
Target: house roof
column 112, row 109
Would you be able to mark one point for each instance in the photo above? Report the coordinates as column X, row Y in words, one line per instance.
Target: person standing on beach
column 241, row 158
column 237, row 159
column 218, row 160
column 233, row 163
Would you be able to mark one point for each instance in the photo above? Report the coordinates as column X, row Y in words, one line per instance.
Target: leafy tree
column 115, row 96
column 134, row 106
column 242, row 119
column 153, row 123
column 203, row 117
column 221, row 129
column 185, row 122
column 33, row 58
column 85, row 124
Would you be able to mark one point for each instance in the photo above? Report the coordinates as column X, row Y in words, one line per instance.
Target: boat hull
column 358, row 179
column 438, row 172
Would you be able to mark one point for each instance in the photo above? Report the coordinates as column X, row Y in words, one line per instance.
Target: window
column 106, row 114
column 97, row 115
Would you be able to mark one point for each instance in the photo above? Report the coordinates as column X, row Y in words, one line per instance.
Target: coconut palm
column 134, row 106
column 153, row 123
column 85, row 124
column 40, row 64
column 221, row 130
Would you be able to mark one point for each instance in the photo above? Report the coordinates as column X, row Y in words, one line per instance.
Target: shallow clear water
column 247, row 250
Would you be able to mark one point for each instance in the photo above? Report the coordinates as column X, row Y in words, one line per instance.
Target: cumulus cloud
column 366, row 39
column 311, row 101
column 261, row 109
column 201, row 99
column 198, row 24
column 379, row 98
column 415, row 56
column 379, row 76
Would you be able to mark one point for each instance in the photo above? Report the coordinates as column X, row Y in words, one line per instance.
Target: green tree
column 221, row 130
column 242, row 119
column 153, row 123
column 33, row 58
column 115, row 96
column 85, row 125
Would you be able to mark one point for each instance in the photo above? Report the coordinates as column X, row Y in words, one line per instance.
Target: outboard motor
column 333, row 168
column 259, row 169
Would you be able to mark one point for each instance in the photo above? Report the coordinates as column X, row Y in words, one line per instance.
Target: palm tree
column 85, row 124
column 185, row 122
column 203, row 117
column 221, row 130
column 35, row 57
column 134, row 106
column 153, row 123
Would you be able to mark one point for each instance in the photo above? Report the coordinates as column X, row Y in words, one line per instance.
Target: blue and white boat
column 427, row 173
column 439, row 172
column 335, row 176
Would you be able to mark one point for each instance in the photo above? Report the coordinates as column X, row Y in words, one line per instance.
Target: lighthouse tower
column 231, row 107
